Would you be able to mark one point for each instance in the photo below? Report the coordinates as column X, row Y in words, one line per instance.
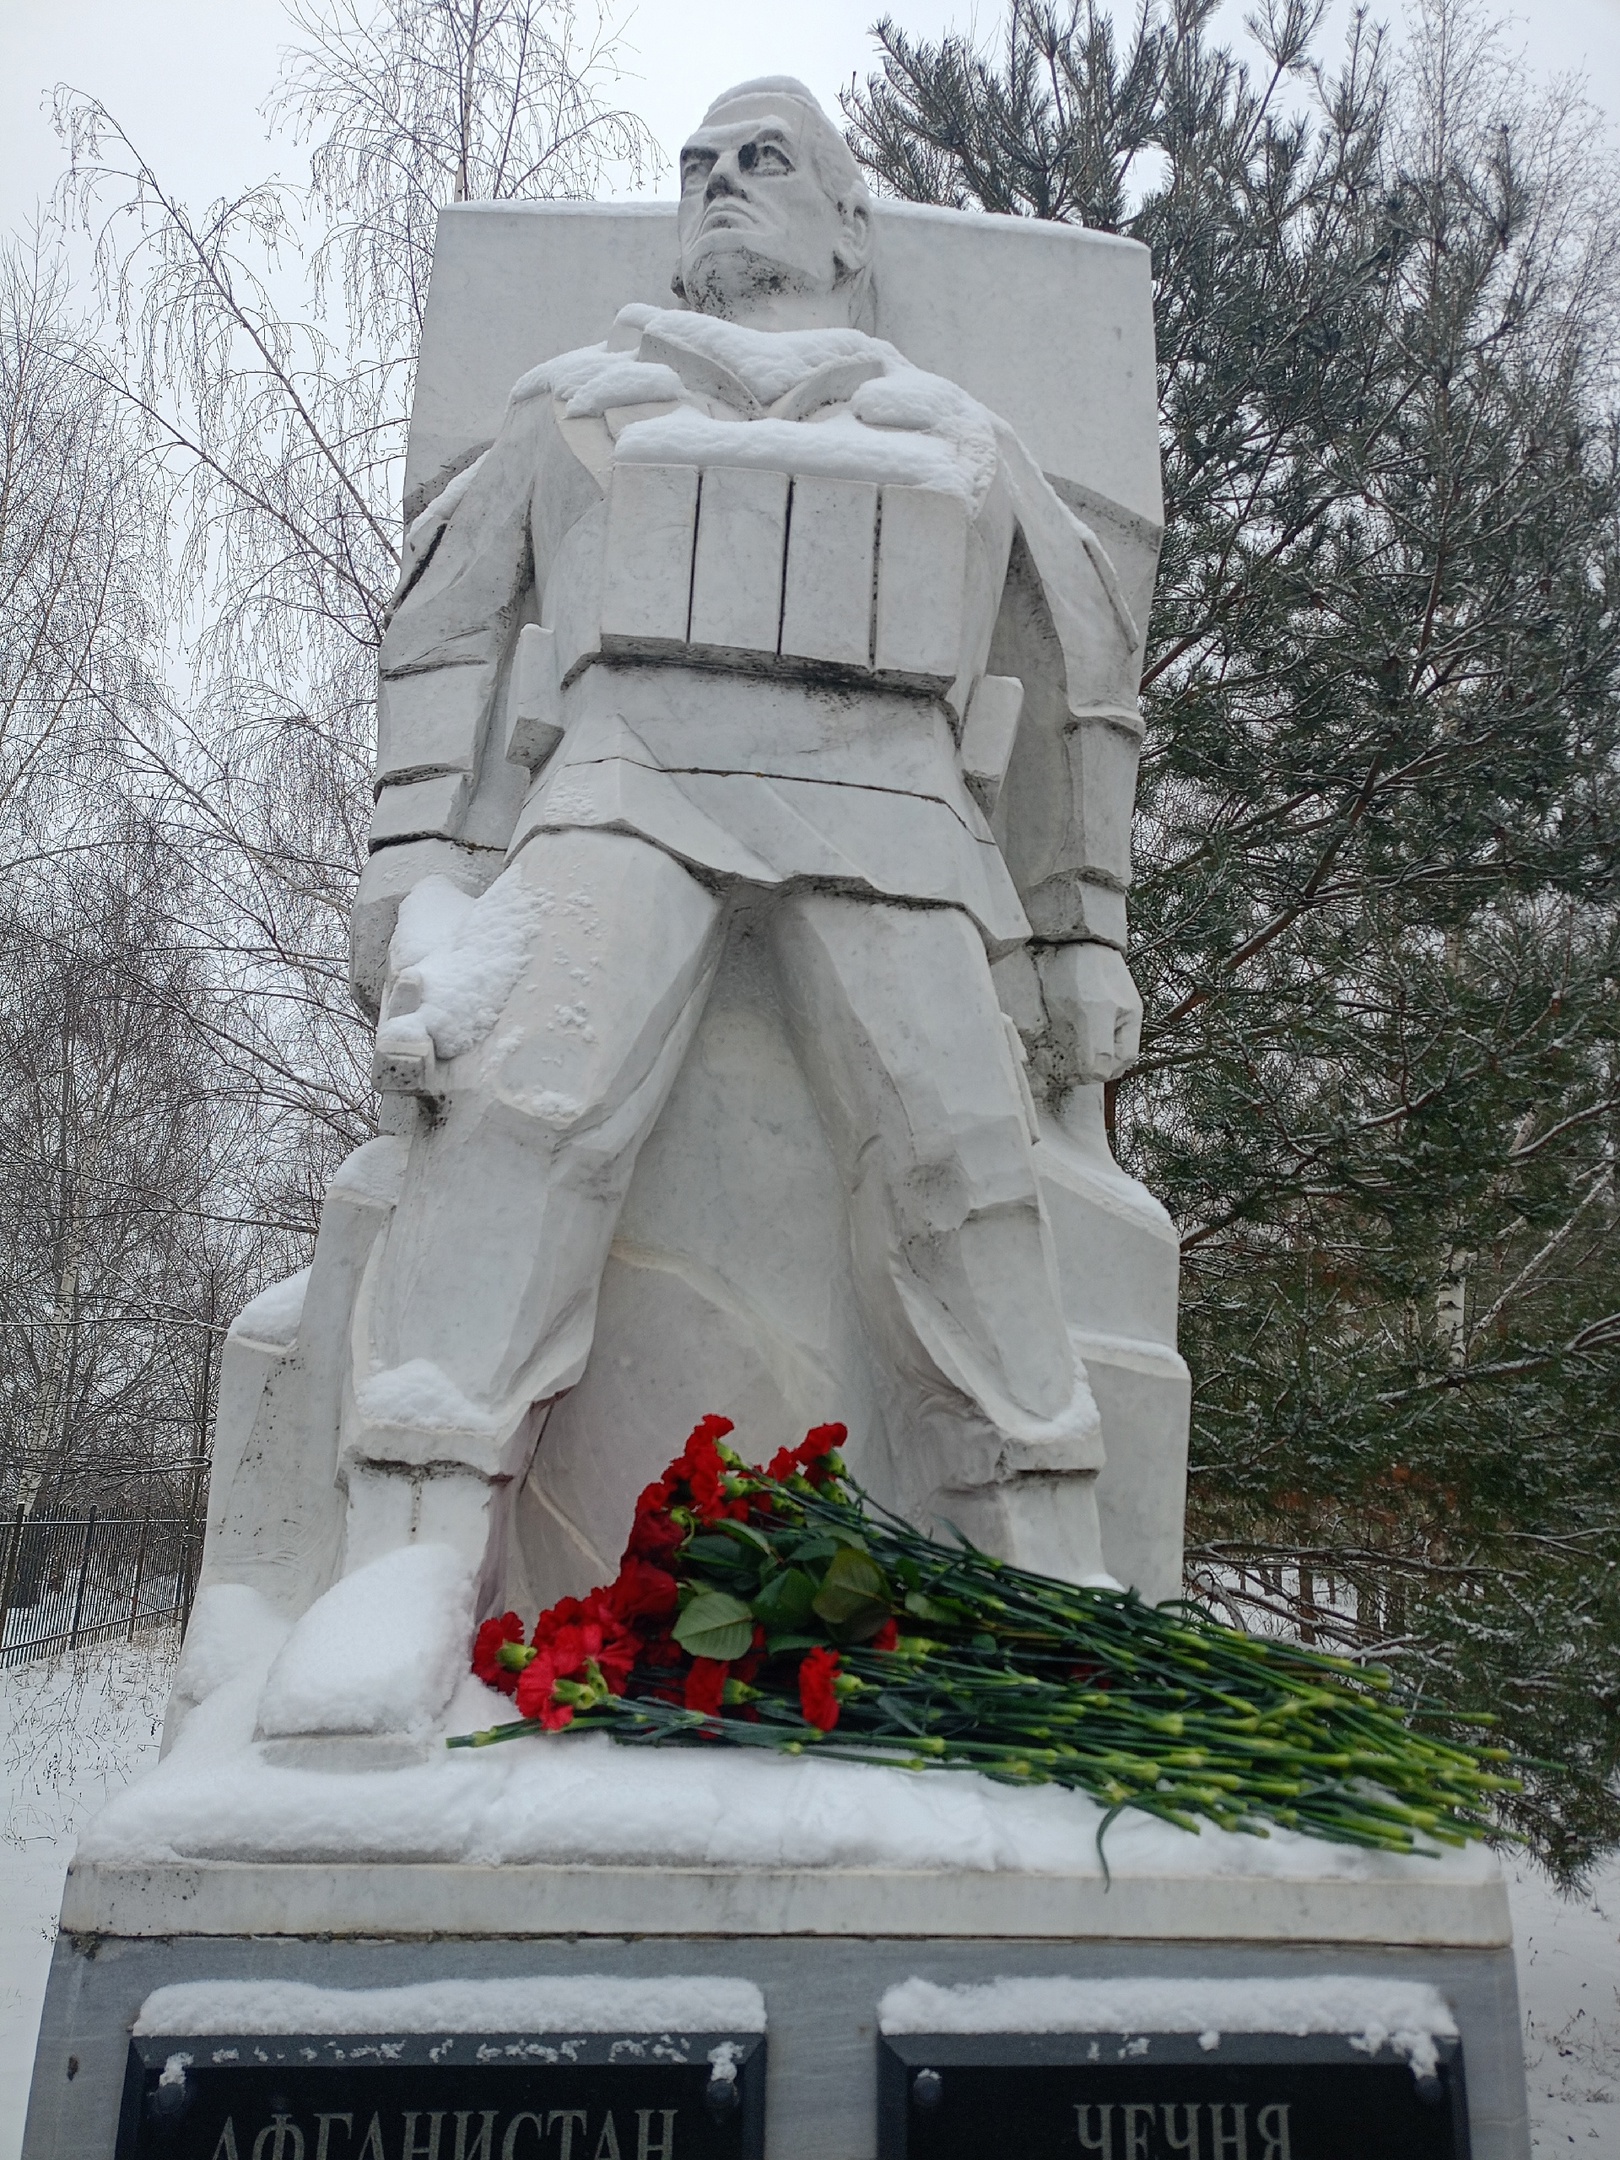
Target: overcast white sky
column 186, row 77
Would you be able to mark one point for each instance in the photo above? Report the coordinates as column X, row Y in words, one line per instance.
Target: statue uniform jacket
column 759, row 597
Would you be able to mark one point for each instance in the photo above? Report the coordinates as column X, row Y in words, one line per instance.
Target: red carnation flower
column 705, row 1685
column 653, row 1534
column 565, row 1648
column 571, row 1637
column 642, row 1592
column 816, row 1698
column 567, row 1612
column 613, row 1648
column 705, row 1474
column 821, row 1440
column 886, row 1637
column 700, row 1465
column 813, row 1450
column 486, row 1647
column 653, row 1537
column 534, row 1697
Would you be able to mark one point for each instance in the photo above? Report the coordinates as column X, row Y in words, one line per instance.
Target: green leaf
column 715, row 1625
column 785, row 1602
column 922, row 1607
column 746, row 1534
column 717, row 1552
column 809, row 1550
column 854, row 1596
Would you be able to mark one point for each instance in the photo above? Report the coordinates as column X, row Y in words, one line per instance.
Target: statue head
column 775, row 219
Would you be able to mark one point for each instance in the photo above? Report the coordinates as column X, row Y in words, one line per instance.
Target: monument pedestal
column 822, row 1943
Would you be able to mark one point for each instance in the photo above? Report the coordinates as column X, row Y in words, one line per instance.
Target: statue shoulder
column 480, row 513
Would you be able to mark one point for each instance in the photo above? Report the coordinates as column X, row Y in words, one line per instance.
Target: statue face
column 761, row 238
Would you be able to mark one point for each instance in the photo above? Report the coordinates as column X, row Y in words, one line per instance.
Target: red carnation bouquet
column 685, row 1640
column 781, row 1608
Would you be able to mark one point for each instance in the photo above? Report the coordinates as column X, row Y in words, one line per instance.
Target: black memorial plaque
column 1162, row 2096
column 460, row 2096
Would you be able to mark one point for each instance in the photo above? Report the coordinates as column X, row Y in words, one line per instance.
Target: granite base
column 823, row 1944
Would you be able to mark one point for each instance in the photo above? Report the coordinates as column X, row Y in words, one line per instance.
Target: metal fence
column 91, row 1579
column 1349, row 1600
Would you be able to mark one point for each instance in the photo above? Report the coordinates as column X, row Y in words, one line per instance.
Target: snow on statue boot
column 370, row 1668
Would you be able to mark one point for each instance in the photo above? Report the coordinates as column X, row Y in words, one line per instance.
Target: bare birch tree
column 115, row 1140
column 77, row 612
column 125, row 1242
column 267, row 351
column 199, row 534
column 425, row 102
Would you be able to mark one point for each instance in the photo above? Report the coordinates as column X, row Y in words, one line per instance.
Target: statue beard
column 722, row 279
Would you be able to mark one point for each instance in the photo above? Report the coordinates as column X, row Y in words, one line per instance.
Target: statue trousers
column 491, row 1266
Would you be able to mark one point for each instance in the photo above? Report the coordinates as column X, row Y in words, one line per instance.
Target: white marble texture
column 379, row 1895
column 922, row 562
column 827, row 585
column 737, row 563
column 534, row 707
column 647, row 556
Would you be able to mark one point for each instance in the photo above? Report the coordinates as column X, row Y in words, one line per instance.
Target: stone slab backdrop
column 729, row 1284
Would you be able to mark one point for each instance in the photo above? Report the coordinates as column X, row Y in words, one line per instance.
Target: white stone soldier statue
column 729, row 631
column 765, row 558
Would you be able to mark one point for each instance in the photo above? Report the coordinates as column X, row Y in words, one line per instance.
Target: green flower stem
column 1032, row 1682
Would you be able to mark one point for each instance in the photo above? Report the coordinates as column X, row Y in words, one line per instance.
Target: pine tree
column 1378, row 850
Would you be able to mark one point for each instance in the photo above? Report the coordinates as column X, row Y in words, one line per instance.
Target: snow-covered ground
column 1569, row 1988
column 74, row 1730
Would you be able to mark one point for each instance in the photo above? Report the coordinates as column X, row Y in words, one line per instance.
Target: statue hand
column 387, row 877
column 1093, row 1008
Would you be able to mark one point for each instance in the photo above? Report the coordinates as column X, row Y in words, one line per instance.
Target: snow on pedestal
column 581, row 1798
column 1405, row 2015
column 582, row 2003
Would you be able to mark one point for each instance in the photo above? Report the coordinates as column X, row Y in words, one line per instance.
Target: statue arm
column 1064, row 815
column 445, row 797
